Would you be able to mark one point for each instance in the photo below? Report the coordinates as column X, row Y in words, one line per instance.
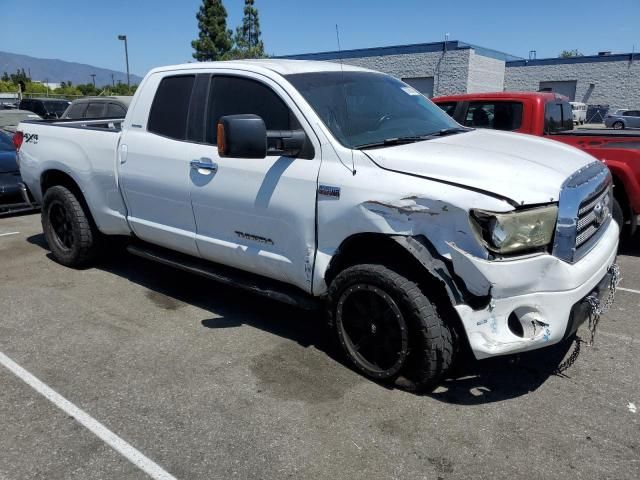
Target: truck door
column 256, row 214
column 154, row 164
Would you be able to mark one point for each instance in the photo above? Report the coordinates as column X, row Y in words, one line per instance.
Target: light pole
column 126, row 56
column 93, row 77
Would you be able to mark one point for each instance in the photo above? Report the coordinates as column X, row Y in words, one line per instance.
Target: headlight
column 516, row 231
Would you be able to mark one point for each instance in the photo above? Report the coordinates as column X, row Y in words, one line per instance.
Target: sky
column 160, row 31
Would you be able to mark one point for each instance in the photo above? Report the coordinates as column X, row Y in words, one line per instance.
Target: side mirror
column 246, row 136
column 243, row 136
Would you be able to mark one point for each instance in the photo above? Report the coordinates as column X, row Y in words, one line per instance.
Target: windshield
column 56, row 107
column 364, row 108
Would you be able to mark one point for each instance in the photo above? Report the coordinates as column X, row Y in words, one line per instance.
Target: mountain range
column 55, row 71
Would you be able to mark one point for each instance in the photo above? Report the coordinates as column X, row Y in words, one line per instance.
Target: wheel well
column 383, row 249
column 51, row 178
column 620, row 194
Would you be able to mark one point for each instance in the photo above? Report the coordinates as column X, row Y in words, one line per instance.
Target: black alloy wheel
column 373, row 329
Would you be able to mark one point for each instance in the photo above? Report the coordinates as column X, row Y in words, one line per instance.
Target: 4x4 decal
column 31, row 138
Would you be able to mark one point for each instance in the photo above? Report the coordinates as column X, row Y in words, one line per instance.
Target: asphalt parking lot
column 208, row 382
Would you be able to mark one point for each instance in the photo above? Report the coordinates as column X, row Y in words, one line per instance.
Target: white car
column 579, row 112
column 344, row 188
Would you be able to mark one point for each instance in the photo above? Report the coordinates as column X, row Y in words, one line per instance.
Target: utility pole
column 113, row 81
column 93, row 77
column 126, row 56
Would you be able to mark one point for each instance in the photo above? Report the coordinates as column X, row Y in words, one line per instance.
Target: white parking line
column 628, row 290
column 9, row 233
column 107, row 436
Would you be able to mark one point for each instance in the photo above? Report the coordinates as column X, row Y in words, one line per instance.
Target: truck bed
column 86, row 151
column 101, row 124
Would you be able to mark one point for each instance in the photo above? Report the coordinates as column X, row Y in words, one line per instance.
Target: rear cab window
column 496, row 115
column 558, row 117
column 448, row 107
column 170, row 108
column 115, row 111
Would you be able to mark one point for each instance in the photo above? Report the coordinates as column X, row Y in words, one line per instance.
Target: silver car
column 623, row 119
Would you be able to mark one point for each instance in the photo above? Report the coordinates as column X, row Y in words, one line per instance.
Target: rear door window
column 496, row 115
column 170, row 108
column 77, row 110
column 95, row 110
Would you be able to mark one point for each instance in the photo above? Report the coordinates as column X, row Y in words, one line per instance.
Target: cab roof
column 279, row 66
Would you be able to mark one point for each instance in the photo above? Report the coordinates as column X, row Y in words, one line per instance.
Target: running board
column 257, row 284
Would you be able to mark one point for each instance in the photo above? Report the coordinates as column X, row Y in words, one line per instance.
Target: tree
column 6, row 77
column 247, row 38
column 19, row 76
column 570, row 53
column 214, row 40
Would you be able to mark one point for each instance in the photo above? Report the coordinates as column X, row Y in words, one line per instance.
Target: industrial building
column 443, row 68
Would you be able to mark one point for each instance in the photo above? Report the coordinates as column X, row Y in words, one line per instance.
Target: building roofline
column 402, row 50
column 616, row 57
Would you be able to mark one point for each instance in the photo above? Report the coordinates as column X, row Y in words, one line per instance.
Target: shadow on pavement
column 472, row 382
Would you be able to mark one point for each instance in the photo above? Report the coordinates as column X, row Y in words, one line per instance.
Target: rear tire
column 388, row 329
column 618, row 126
column 71, row 234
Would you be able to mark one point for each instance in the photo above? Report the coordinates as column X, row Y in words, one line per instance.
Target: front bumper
column 541, row 293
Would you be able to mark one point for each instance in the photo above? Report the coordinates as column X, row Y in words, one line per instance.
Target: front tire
column 618, row 126
column 388, row 329
column 70, row 232
column 617, row 214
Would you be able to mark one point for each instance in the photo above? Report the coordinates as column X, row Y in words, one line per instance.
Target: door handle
column 203, row 164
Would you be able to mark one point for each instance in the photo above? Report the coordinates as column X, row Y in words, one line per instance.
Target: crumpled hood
column 523, row 168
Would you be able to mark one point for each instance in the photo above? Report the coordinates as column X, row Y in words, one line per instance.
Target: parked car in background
column 9, row 119
column 622, row 119
column 13, row 193
column 579, row 112
column 45, row 107
column 98, row 107
column 550, row 115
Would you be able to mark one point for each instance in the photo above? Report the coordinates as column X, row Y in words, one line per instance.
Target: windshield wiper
column 451, row 131
column 393, row 141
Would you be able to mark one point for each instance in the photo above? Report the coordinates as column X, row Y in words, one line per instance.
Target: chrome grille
column 584, row 211
column 592, row 215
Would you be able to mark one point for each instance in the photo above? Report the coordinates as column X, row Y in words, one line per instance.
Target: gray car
column 9, row 119
column 623, row 119
column 98, row 107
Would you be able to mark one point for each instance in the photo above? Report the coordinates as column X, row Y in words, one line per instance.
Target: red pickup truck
column 549, row 115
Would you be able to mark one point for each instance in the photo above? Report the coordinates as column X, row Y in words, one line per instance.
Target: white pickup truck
column 323, row 185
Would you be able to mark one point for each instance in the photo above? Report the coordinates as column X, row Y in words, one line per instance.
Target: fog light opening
column 515, row 326
column 526, row 322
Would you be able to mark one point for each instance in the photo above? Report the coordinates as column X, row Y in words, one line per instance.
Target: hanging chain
column 596, row 309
